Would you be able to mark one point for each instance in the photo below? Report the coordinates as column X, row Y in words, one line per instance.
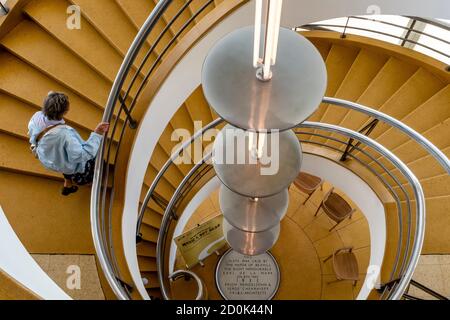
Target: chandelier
column 263, row 80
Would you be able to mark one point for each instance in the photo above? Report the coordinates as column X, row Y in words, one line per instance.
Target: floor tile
column 444, row 259
column 295, row 201
column 429, row 259
column 356, row 235
column 319, row 228
column 363, row 258
column 430, row 276
column 43, row 260
column 342, row 290
column 328, row 245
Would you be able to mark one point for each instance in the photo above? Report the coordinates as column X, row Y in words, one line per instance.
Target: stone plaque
column 240, row 277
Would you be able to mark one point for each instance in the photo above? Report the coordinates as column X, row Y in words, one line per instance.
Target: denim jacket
column 63, row 150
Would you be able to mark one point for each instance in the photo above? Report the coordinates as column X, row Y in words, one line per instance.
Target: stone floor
column 77, row 275
column 305, row 241
column 433, row 271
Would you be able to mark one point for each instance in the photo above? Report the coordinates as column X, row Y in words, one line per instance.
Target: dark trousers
column 84, row 178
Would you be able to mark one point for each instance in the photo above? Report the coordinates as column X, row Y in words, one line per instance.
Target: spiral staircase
column 106, row 79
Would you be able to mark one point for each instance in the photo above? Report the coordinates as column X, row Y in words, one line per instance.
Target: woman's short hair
column 56, row 104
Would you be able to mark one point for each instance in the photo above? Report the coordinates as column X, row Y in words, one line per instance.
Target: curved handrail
column 425, row 143
column 4, row 10
column 99, row 244
column 100, row 210
column 167, row 218
column 166, row 166
column 417, row 189
column 385, row 183
column 413, row 134
column 187, row 273
column 115, row 107
column 419, row 196
column 436, row 153
column 405, row 39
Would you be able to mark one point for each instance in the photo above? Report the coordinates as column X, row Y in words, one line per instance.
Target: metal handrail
column 189, row 274
column 165, row 223
column 417, row 190
column 167, row 218
column 413, row 134
column 4, row 8
column 115, row 108
column 385, row 183
column 100, row 210
column 371, row 113
column 166, row 166
column 326, row 26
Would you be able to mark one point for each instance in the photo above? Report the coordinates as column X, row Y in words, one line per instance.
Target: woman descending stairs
column 39, row 54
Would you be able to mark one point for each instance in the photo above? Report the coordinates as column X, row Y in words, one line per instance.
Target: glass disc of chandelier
column 256, row 169
column 293, row 93
column 253, row 215
column 250, row 243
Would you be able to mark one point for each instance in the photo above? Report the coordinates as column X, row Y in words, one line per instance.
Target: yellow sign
column 199, row 243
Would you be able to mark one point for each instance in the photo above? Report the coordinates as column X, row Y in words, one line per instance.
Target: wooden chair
column 307, row 183
column 345, row 265
column 336, row 208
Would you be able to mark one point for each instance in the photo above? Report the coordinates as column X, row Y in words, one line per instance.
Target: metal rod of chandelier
column 271, row 37
column 264, row 64
column 265, row 89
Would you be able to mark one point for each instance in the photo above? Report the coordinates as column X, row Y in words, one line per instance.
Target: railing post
column 4, row 10
column 408, row 32
column 367, row 130
column 128, row 287
column 343, row 35
column 131, row 122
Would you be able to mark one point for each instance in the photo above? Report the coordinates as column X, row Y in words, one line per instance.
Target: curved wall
column 20, row 265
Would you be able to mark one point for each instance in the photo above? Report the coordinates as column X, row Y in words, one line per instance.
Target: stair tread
column 434, row 111
column 138, row 11
column 16, row 78
column 149, row 233
column 110, row 20
column 408, row 150
column 146, row 264
column 146, row 249
column 388, row 81
column 415, row 92
column 362, row 72
column 152, row 219
column 86, row 42
column 338, row 63
column 34, row 45
column 16, row 155
column 56, row 224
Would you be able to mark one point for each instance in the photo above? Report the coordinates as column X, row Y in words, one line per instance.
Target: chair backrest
column 308, row 181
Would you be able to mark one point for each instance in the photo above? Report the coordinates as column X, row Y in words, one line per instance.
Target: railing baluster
column 4, row 9
column 403, row 39
column 366, row 130
column 343, row 35
column 131, row 122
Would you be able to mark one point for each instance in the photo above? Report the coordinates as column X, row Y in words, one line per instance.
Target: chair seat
column 346, row 266
column 307, row 183
column 336, row 207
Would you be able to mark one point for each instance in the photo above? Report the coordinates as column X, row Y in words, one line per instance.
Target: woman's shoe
column 69, row 190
